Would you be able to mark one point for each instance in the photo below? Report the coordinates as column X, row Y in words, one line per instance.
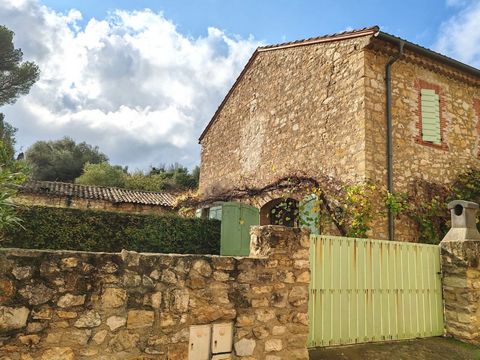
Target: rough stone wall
column 412, row 157
column 295, row 109
column 76, row 203
column 461, row 289
column 321, row 109
column 72, row 305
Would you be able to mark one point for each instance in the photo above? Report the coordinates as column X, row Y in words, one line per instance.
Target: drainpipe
column 388, row 83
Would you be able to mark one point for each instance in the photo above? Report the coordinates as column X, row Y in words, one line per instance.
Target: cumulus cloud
column 130, row 83
column 459, row 36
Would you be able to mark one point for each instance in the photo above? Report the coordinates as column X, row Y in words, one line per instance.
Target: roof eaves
column 321, row 39
column 428, row 53
column 114, row 195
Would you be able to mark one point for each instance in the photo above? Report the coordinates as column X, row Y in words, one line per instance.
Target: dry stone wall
column 72, row 305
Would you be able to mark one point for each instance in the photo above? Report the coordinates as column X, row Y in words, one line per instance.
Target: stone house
column 358, row 106
column 59, row 194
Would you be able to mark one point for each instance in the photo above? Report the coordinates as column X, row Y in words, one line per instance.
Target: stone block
column 273, row 345
column 13, row 318
column 89, row 319
column 37, row 294
column 137, row 319
column 70, row 300
column 58, row 353
column 113, row 298
column 115, row 322
column 245, row 347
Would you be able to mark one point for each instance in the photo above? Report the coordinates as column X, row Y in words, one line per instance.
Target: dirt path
column 423, row 349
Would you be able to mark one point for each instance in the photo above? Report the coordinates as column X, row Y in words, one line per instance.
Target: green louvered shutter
column 430, row 116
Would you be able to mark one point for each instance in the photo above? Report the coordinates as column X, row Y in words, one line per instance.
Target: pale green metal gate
column 365, row 290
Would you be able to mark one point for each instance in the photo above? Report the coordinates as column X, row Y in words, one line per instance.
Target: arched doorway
column 280, row 212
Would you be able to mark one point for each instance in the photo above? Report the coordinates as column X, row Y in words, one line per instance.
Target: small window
column 430, row 109
column 215, row 213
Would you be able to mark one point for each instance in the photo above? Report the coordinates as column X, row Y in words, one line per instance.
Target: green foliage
column 285, row 212
column 397, row 203
column 358, row 202
column 7, row 137
column 16, row 78
column 172, row 178
column 12, row 174
column 88, row 230
column 141, row 181
column 350, row 207
column 467, row 186
column 432, row 220
column 426, row 203
column 8, row 182
column 102, row 174
column 61, row 160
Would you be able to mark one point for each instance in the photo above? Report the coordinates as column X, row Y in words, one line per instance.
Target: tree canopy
column 16, row 77
column 102, row 174
column 171, row 178
column 12, row 173
column 61, row 160
column 7, row 140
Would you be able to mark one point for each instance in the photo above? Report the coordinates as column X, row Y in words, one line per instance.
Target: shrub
column 90, row 230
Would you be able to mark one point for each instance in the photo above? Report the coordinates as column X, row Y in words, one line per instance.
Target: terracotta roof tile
column 114, row 195
column 329, row 37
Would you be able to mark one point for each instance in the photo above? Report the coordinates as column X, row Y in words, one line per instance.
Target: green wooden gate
column 365, row 290
column 235, row 232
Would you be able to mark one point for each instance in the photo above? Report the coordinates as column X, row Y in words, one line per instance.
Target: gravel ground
column 436, row 348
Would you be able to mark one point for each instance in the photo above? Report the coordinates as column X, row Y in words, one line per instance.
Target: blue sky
column 141, row 79
column 280, row 20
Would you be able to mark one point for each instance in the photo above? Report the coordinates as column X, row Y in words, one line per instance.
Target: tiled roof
column 111, row 194
column 337, row 36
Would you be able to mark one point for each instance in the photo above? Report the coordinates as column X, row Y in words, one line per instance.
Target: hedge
column 91, row 230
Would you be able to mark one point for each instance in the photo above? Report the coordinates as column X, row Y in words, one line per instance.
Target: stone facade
column 294, row 109
column 92, row 204
column 71, row 305
column 413, row 158
column 319, row 107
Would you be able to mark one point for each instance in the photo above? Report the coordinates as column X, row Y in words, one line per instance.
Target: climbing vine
column 351, row 208
column 426, row 203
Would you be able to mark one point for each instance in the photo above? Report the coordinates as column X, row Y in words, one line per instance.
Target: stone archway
column 281, row 211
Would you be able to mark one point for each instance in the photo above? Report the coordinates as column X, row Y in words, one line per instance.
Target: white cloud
column 459, row 37
column 130, row 83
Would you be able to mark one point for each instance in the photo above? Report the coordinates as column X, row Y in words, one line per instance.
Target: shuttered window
column 431, row 116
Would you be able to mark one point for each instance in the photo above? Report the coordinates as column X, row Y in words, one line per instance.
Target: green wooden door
column 235, row 233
